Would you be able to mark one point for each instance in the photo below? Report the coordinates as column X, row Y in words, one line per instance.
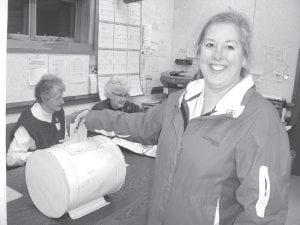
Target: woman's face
column 54, row 100
column 117, row 100
column 221, row 56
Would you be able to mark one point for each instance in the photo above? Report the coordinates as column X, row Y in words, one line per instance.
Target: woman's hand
column 76, row 117
column 80, row 118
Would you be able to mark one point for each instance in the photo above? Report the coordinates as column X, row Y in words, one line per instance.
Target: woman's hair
column 46, row 84
column 235, row 18
column 117, row 85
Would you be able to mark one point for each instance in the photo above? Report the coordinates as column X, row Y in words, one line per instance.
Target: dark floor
column 293, row 217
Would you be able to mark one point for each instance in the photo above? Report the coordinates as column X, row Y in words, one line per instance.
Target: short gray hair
column 46, row 84
column 117, row 85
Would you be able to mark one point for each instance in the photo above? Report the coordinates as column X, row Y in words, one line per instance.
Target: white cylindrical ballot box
column 74, row 178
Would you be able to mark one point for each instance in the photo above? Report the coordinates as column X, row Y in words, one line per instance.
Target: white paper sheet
column 77, row 134
column 133, row 38
column 148, row 150
column 101, row 84
column 274, row 62
column 105, row 62
column 134, row 13
column 120, row 36
column 79, row 68
column 78, row 130
column 110, row 133
column 121, row 12
column 120, row 61
column 106, row 35
column 135, row 84
column 57, row 65
column 37, row 67
column 106, row 10
column 133, row 62
column 12, row 194
column 35, row 75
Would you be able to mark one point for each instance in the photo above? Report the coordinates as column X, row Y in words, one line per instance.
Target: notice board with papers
column 119, row 44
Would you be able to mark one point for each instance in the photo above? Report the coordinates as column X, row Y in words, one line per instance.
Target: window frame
column 52, row 38
column 84, row 30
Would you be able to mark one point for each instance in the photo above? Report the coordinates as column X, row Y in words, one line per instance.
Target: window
column 51, row 20
column 18, row 16
column 55, row 18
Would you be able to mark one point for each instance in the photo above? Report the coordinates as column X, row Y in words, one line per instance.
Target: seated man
column 116, row 90
column 40, row 126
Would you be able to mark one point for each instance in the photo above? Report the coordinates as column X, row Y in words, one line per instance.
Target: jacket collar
column 231, row 103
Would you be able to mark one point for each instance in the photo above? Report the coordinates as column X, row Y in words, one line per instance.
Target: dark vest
column 43, row 133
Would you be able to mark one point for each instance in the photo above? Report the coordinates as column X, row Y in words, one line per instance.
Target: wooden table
column 128, row 206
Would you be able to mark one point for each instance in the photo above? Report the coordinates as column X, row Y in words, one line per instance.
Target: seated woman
column 40, row 126
column 116, row 90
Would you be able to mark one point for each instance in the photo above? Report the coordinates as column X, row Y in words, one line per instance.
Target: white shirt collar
column 230, row 103
column 39, row 113
column 194, row 97
column 194, row 88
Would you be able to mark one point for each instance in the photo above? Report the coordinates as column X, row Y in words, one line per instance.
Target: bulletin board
column 119, row 43
column 25, row 70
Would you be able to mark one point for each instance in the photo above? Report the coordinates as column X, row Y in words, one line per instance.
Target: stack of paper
column 12, row 194
column 149, row 150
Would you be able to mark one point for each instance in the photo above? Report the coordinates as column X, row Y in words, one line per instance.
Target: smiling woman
column 221, row 61
column 223, row 154
column 224, row 49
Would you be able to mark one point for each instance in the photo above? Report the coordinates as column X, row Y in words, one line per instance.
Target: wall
column 19, row 67
column 28, row 59
column 158, row 13
column 275, row 25
column 157, row 57
column 24, row 70
column 191, row 15
column 176, row 24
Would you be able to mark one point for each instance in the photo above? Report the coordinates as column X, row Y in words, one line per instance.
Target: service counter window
column 38, row 22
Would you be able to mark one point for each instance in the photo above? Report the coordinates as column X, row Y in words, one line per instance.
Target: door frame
column 296, row 94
